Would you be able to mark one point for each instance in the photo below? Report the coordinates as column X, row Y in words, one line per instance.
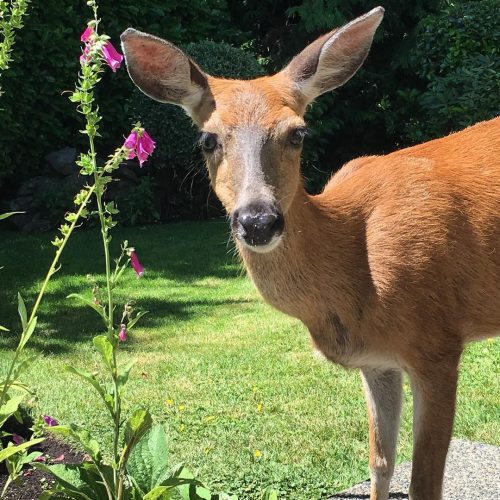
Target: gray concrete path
column 472, row 473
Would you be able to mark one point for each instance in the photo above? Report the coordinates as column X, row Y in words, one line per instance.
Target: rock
column 63, row 161
column 36, row 185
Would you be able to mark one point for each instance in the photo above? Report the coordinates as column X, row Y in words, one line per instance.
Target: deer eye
column 208, row 142
column 297, row 136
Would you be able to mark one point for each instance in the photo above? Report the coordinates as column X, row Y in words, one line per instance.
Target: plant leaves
column 23, row 366
column 105, row 348
column 192, row 489
column 12, row 450
column 269, row 494
column 15, row 384
column 124, row 373
column 133, row 321
column 148, row 462
column 91, row 446
column 137, row 425
column 96, row 307
column 10, row 407
column 21, row 308
column 94, row 382
column 9, row 214
column 27, row 333
column 159, row 493
column 3, row 329
column 79, row 481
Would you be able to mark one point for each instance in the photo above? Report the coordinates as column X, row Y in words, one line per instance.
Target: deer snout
column 258, row 225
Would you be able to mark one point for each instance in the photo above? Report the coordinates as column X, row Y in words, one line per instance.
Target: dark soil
column 34, row 482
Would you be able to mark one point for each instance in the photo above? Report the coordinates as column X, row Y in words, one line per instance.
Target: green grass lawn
column 225, row 373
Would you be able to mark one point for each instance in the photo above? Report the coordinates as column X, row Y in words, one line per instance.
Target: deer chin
column 269, row 247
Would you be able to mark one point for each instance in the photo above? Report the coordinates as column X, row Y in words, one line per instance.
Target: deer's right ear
column 162, row 71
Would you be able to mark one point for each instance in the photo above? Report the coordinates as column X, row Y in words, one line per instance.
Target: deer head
column 251, row 131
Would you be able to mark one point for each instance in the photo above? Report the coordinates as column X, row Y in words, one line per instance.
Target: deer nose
column 258, row 224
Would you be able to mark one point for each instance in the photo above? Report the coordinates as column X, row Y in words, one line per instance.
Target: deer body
column 392, row 268
column 387, row 249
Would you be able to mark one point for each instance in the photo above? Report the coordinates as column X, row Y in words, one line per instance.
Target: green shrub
column 138, row 206
column 177, row 162
column 458, row 54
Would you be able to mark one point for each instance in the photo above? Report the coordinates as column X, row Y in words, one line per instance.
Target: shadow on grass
column 183, row 252
column 62, row 328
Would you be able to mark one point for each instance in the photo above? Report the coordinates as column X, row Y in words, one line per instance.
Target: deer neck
column 319, row 271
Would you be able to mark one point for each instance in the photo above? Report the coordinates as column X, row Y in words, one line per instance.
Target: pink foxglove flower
column 87, row 34
column 112, row 57
column 140, row 145
column 123, row 333
column 49, row 421
column 134, row 261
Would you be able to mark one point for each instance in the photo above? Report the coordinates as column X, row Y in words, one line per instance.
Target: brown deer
column 393, row 267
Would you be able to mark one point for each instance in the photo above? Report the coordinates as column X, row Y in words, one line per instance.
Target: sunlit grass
column 245, row 402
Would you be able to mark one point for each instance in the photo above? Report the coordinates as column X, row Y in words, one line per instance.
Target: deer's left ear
column 335, row 57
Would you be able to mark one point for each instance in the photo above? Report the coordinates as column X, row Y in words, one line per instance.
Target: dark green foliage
column 37, row 117
column 177, row 161
column 138, row 206
column 458, row 54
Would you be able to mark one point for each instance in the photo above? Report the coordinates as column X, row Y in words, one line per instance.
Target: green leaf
column 15, row 384
column 27, row 333
column 148, row 462
column 124, row 373
column 9, row 214
column 10, row 407
column 96, row 307
column 21, row 307
column 133, row 321
column 94, row 382
column 159, row 493
column 105, row 348
column 269, row 494
column 12, row 450
column 78, row 481
column 3, row 329
column 137, row 425
column 21, row 367
column 81, row 435
column 192, row 489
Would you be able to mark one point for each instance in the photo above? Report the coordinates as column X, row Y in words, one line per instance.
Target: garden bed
column 33, row 482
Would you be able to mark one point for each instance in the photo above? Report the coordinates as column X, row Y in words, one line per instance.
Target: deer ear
column 335, row 57
column 162, row 71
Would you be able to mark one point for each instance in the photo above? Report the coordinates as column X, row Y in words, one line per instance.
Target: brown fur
column 394, row 266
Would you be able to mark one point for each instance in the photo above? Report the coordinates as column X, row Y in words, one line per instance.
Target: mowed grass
column 228, row 376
